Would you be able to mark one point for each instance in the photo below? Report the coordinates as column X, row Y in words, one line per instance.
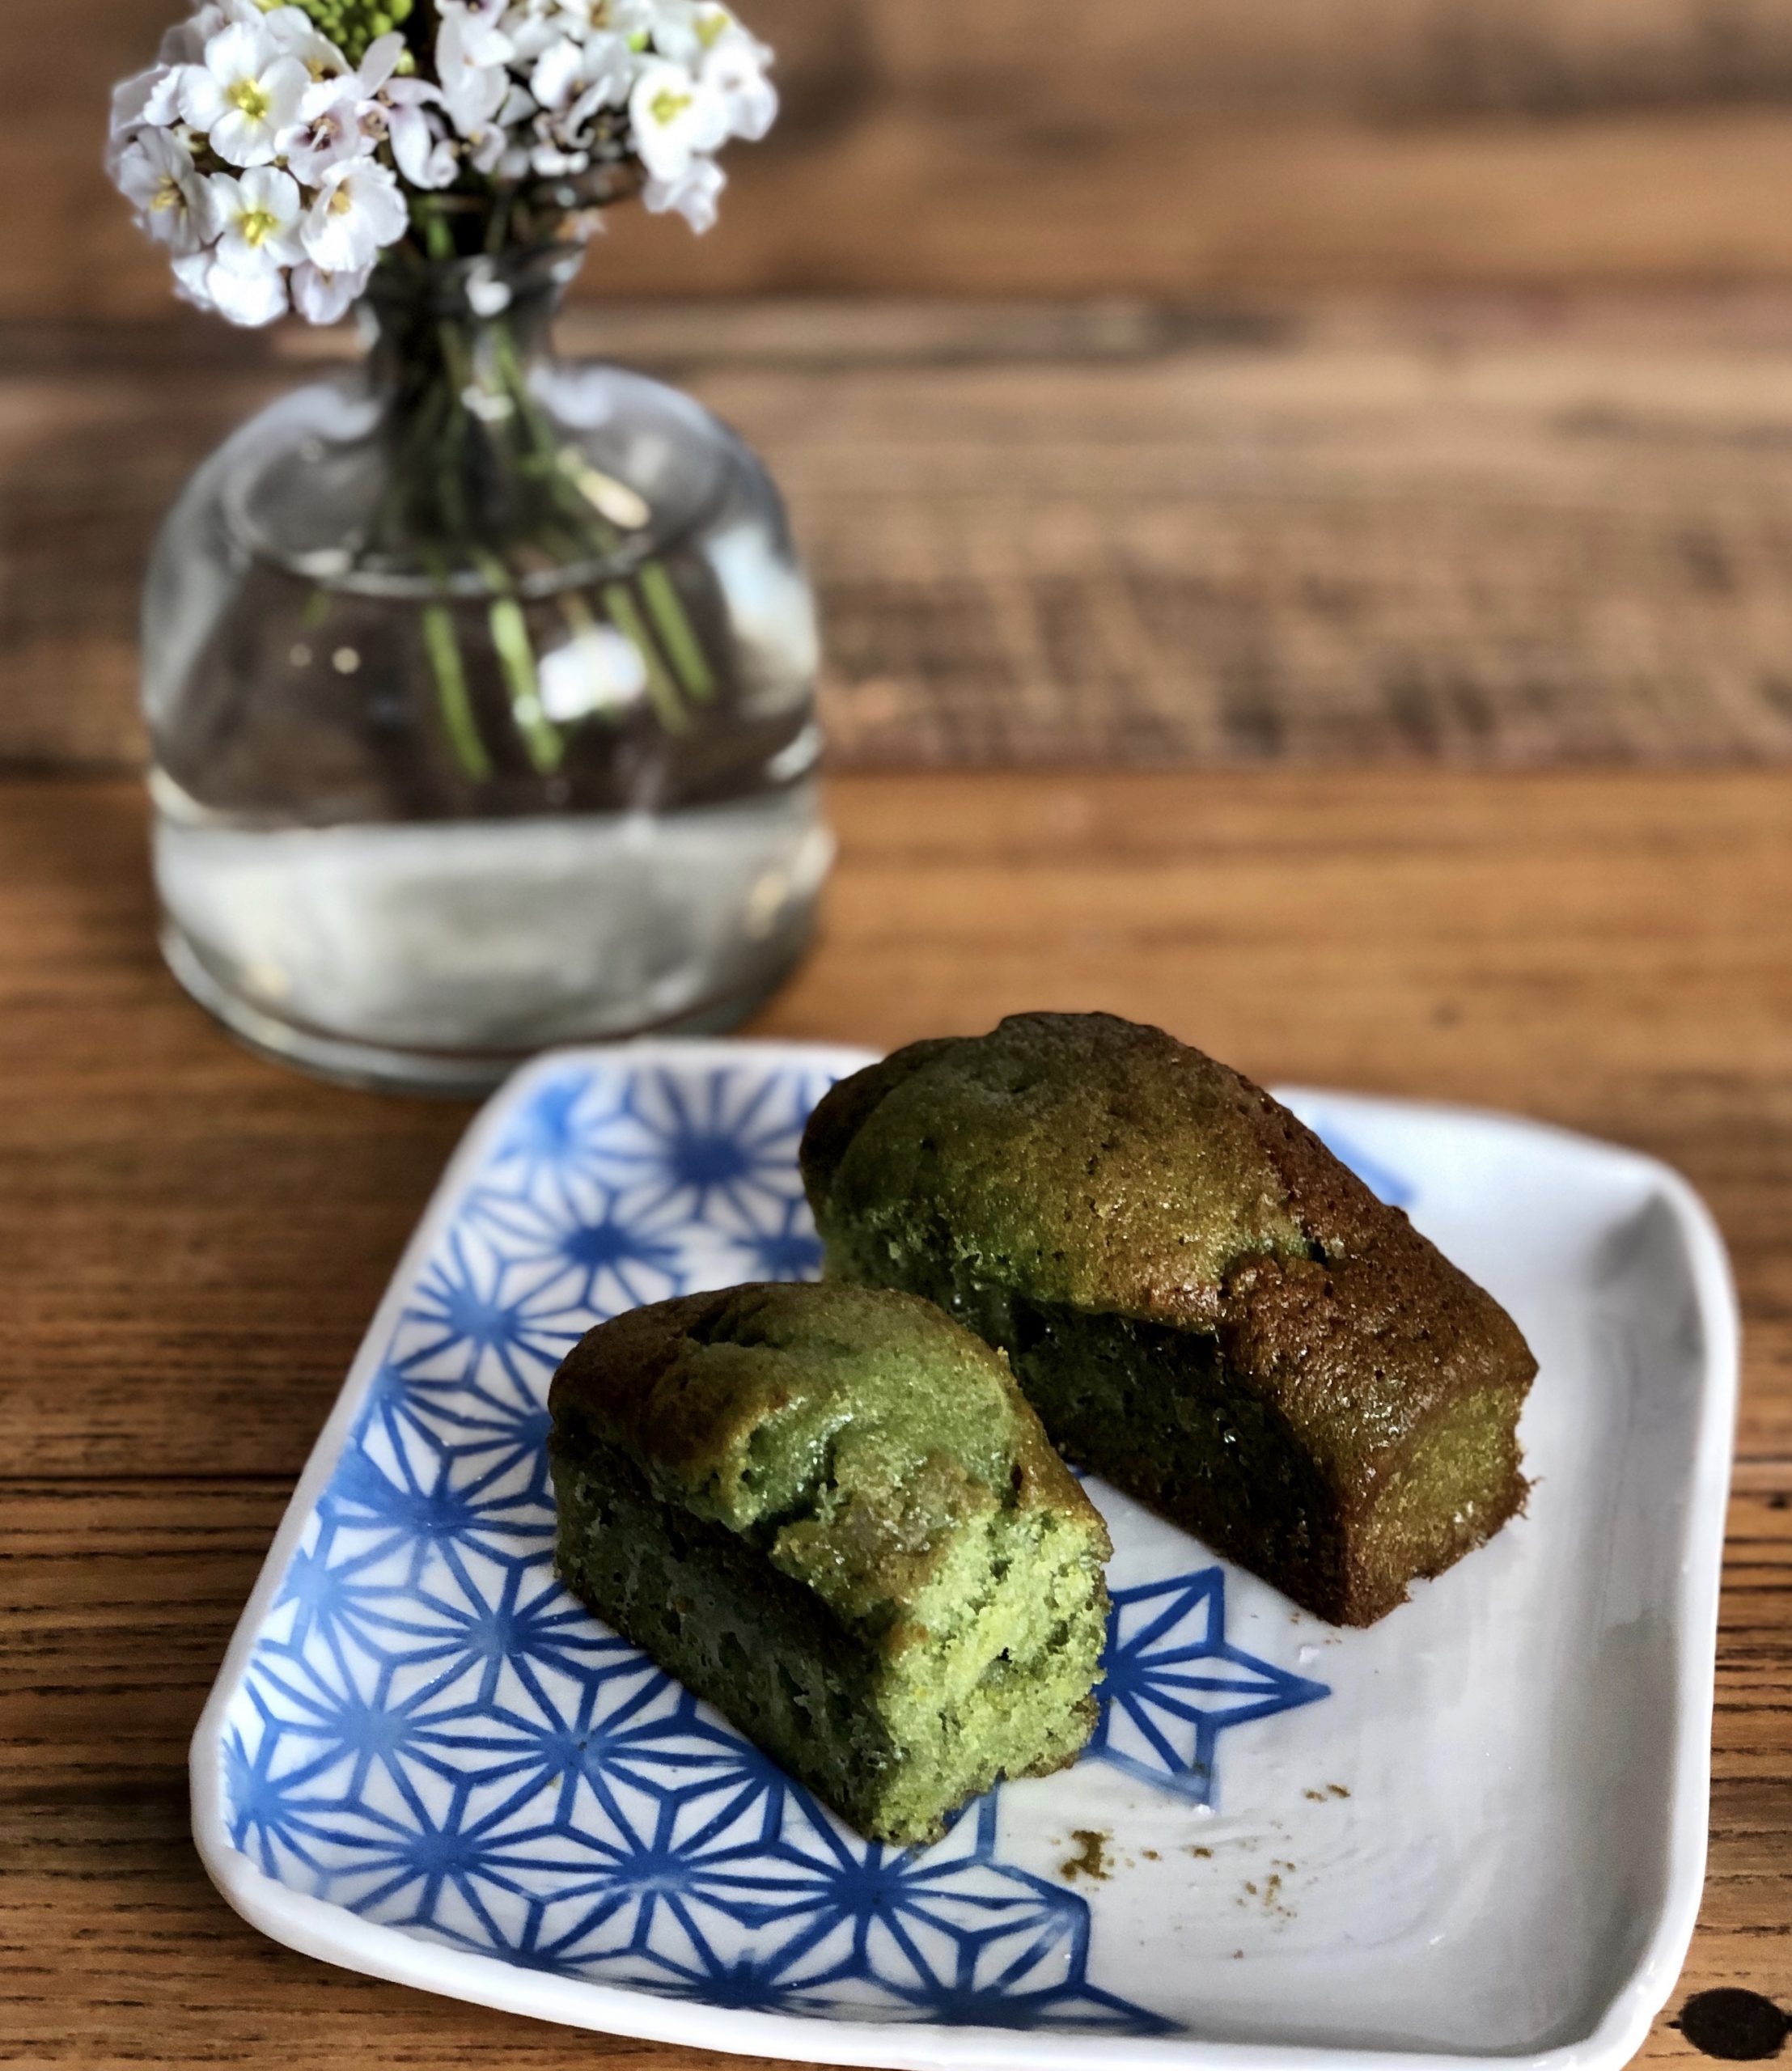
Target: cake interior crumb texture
column 831, row 1513
column 1203, row 1305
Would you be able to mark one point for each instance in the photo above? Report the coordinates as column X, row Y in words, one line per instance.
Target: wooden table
column 191, row 1243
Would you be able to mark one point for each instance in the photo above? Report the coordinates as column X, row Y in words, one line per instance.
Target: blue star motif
column 558, row 1131
column 725, row 1146
column 573, row 1239
column 1173, row 1683
column 432, row 1734
column 783, row 1246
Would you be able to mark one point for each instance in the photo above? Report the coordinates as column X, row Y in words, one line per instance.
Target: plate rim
column 323, row 1929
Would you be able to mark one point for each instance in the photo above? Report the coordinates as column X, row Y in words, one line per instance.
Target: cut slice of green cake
column 831, row 1512
column 1203, row 1304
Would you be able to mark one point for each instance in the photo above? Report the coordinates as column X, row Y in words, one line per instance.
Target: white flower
column 359, row 211
column 251, row 299
column 424, row 153
column 546, row 151
column 243, row 95
column 693, row 195
column 298, row 36
column 675, row 118
column 257, row 219
column 328, row 130
column 379, row 63
column 192, row 279
column 290, row 28
column 322, row 298
column 345, row 117
column 185, row 43
column 687, row 30
column 736, row 69
column 471, row 55
column 592, row 74
column 157, row 173
column 151, row 100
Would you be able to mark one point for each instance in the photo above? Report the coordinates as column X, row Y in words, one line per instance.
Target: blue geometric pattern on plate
column 1175, row 1685
column 433, row 1734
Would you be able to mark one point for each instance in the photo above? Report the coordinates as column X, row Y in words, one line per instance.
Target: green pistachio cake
column 830, row 1511
column 1203, row 1304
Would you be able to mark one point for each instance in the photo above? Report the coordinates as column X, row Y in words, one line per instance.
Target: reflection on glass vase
column 481, row 694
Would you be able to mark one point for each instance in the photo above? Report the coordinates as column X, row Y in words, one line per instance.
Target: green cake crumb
column 1090, row 1859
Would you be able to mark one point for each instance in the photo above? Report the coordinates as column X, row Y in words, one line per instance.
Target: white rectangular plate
column 1476, row 1831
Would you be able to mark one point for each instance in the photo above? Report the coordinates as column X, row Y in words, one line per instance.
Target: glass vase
column 481, row 688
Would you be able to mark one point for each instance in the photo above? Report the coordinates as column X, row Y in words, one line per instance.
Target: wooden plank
column 118, row 1599
column 1476, row 532
column 1042, row 147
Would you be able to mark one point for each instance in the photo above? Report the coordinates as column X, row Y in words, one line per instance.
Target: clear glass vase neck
column 458, row 316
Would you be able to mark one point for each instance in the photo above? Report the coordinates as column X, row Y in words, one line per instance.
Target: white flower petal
column 202, row 97
column 322, row 298
column 674, row 117
column 693, row 195
column 735, row 71
column 426, row 158
column 358, row 211
column 192, row 280
column 380, row 62
column 556, row 73
column 252, row 299
column 256, row 218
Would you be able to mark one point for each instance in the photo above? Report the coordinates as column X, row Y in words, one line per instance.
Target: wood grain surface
column 1490, row 530
column 1155, row 146
column 191, row 1243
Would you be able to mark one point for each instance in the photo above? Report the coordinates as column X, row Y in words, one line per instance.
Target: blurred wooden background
column 1172, row 380
column 1166, row 148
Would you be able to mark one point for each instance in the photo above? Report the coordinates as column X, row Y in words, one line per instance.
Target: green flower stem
column 546, row 750
column 481, row 482
column 662, row 692
column 437, row 234
column 666, row 608
column 442, row 646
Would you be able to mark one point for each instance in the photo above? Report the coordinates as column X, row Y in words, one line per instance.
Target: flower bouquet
column 278, row 152
column 474, row 587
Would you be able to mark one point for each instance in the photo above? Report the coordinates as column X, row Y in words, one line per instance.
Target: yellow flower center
column 342, row 201
column 167, row 195
column 250, row 97
column 257, row 226
column 666, row 106
column 710, row 29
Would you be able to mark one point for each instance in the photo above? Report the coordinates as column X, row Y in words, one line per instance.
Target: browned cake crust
column 1202, row 1301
